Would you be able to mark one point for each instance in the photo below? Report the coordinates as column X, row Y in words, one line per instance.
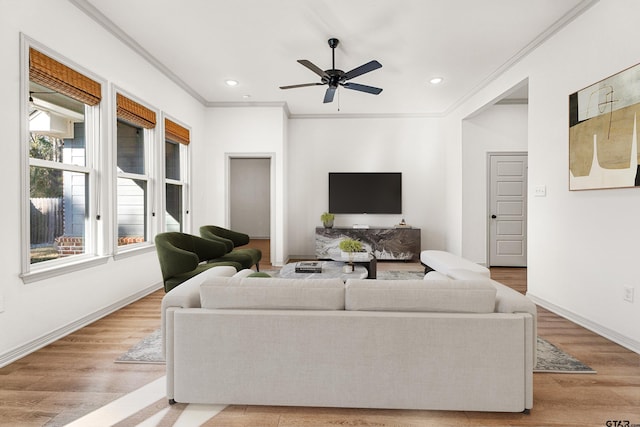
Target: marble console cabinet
column 401, row 244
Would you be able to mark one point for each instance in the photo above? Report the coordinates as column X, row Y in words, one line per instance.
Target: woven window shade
column 135, row 113
column 58, row 77
column 176, row 133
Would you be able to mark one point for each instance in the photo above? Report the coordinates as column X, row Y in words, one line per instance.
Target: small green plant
column 350, row 245
column 327, row 219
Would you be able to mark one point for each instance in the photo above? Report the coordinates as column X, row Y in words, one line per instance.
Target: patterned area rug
column 148, row 350
column 550, row 358
column 400, row 275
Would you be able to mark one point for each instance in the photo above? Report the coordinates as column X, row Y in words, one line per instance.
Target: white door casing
column 507, row 209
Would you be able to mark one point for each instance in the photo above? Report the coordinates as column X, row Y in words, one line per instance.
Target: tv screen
column 365, row 192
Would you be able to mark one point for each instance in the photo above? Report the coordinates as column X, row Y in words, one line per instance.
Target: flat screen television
column 365, row 192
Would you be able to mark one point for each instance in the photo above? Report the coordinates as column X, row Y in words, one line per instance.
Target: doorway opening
column 250, row 200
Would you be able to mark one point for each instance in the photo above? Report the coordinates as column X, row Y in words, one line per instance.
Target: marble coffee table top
column 330, row 270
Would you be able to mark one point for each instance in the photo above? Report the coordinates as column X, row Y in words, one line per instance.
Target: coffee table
column 367, row 261
column 330, row 270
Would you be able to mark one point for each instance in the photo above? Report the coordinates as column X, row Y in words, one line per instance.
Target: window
column 175, row 152
column 69, row 223
column 134, row 136
column 62, row 115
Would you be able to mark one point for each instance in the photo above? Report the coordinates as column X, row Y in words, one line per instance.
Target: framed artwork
column 604, row 121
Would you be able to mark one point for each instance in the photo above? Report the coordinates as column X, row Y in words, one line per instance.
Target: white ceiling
column 202, row 43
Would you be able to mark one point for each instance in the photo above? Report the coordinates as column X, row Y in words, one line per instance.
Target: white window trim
column 94, row 116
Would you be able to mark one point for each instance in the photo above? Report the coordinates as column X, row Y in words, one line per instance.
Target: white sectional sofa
column 456, row 341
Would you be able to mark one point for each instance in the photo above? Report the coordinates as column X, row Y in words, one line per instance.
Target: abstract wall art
column 603, row 133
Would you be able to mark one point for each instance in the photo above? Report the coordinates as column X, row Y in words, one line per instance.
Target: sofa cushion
column 445, row 295
column 272, row 293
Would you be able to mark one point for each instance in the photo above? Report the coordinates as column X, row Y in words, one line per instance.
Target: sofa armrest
column 511, row 301
column 507, row 300
column 187, row 295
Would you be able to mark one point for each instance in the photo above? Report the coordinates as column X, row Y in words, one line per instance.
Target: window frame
column 185, row 177
column 94, row 116
column 150, row 176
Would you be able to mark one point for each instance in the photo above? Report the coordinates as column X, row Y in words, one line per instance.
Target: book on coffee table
column 308, row 267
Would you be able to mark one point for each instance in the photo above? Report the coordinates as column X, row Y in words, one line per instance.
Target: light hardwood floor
column 77, row 375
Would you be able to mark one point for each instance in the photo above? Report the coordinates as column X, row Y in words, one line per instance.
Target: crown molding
column 277, row 104
column 513, row 101
column 112, row 28
column 369, row 116
column 290, row 115
column 562, row 22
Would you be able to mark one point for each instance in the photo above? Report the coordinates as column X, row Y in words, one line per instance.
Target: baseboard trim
column 34, row 345
column 607, row 333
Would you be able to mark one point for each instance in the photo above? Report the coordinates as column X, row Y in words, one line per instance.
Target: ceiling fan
column 335, row 78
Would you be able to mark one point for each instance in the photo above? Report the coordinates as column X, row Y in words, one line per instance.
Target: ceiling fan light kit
column 335, row 77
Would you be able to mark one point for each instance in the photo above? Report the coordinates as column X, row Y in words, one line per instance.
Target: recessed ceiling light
column 231, row 82
column 436, row 80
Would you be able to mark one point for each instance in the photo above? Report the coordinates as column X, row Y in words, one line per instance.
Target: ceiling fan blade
column 358, row 71
column 363, row 88
column 328, row 95
column 310, row 65
column 301, row 85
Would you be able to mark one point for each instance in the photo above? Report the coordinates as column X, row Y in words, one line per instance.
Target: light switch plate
column 540, row 191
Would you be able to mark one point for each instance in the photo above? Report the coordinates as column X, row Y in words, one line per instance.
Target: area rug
column 400, row 275
column 148, row 350
column 553, row 360
column 550, row 358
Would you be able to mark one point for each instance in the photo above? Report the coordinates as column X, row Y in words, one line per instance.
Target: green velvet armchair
column 182, row 255
column 247, row 257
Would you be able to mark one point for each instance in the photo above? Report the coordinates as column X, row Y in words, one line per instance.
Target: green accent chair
column 182, row 256
column 248, row 257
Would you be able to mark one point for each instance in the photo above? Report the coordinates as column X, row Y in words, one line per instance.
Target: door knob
column 493, row 216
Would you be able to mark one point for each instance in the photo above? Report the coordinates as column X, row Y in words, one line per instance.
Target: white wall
column 38, row 312
column 498, row 128
column 583, row 246
column 244, row 131
column 322, row 145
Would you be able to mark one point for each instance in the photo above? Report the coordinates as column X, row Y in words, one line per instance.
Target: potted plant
column 350, row 246
column 327, row 219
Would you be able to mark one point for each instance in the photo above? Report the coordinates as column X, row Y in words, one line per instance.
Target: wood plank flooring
column 77, row 375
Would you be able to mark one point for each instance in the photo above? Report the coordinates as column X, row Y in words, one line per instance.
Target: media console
column 398, row 244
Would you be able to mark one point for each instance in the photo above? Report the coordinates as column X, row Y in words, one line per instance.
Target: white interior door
column 250, row 196
column 507, row 210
